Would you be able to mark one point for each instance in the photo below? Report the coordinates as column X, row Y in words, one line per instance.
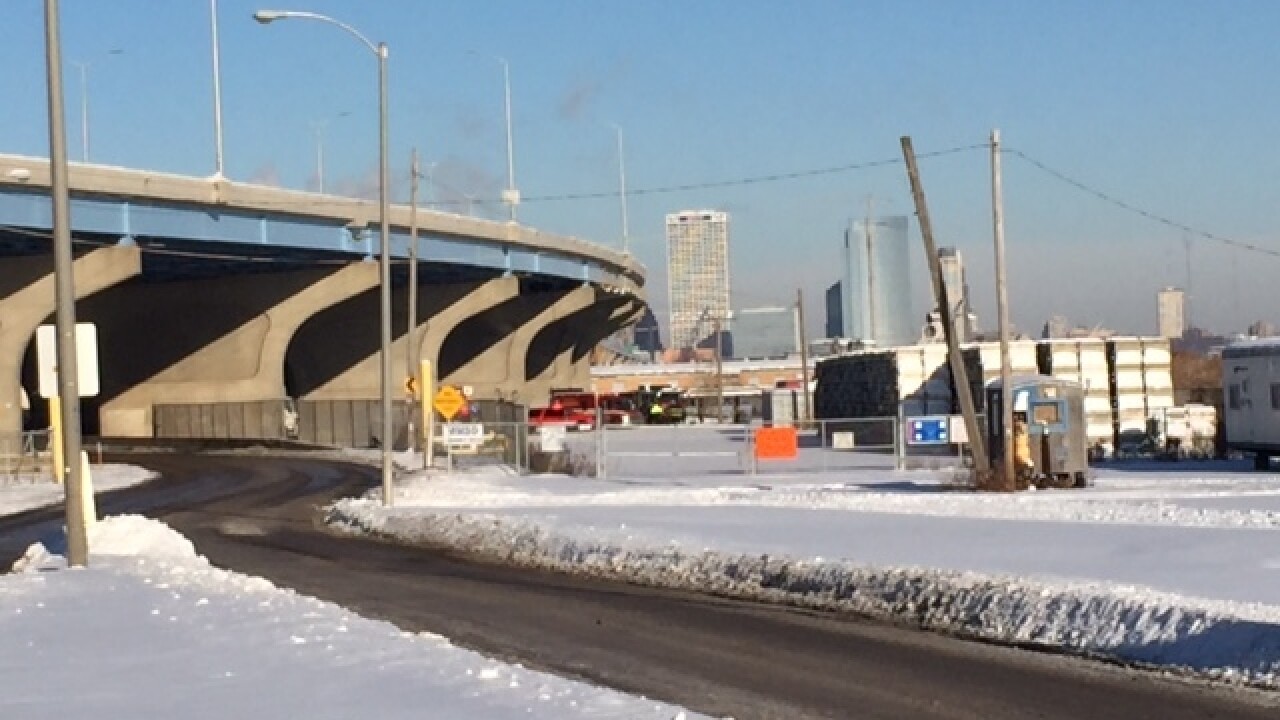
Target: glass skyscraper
column 876, row 289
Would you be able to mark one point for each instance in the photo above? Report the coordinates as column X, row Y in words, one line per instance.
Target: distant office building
column 768, row 332
column 1262, row 329
column 697, row 274
column 835, row 314
column 647, row 333
column 1170, row 312
column 963, row 319
column 1057, row 327
column 876, row 288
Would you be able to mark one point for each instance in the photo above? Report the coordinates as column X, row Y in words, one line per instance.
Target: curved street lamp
column 384, row 260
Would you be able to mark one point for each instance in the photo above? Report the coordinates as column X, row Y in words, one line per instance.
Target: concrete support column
column 437, row 328
column 443, row 308
column 574, row 367
column 27, row 299
column 584, row 331
column 500, row 371
column 243, row 361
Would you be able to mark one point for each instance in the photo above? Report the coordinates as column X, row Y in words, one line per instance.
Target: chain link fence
column 26, row 456
column 823, row 446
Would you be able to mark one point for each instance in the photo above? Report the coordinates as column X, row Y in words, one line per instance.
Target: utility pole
column 65, row 296
column 959, row 375
column 411, row 337
column 804, row 355
column 622, row 194
column 1002, row 311
column 1186, row 312
column 715, row 325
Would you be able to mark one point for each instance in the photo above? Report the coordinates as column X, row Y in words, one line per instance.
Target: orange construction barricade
column 776, row 443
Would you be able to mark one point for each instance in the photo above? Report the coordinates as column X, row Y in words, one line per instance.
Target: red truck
column 577, row 410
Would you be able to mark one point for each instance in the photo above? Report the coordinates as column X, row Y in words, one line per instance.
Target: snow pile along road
column 1223, row 639
column 152, row 630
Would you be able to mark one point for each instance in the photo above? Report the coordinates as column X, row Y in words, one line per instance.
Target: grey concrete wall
column 27, row 300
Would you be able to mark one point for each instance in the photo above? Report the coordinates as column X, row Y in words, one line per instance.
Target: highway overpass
column 231, row 298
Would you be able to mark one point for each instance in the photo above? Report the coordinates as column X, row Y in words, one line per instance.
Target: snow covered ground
column 150, row 630
column 27, row 492
column 1170, row 565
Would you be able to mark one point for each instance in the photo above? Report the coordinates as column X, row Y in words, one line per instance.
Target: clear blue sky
column 1170, row 105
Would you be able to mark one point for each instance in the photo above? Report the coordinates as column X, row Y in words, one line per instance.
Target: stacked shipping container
column 1124, row 379
column 1083, row 361
column 1142, row 380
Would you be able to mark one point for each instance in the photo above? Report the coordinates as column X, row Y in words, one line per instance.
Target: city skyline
column 1147, row 103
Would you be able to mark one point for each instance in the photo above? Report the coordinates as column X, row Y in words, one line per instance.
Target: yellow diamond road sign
column 449, row 401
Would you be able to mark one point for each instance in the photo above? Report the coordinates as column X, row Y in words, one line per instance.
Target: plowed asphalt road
column 257, row 515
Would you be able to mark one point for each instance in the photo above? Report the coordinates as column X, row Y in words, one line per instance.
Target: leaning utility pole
column 804, row 355
column 1002, row 312
column 959, row 375
column 411, row 337
column 65, row 297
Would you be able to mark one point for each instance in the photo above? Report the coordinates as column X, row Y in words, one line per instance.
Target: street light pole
column 412, row 356
column 511, row 196
column 320, row 155
column 65, row 297
column 622, row 193
column 217, row 94
column 384, row 204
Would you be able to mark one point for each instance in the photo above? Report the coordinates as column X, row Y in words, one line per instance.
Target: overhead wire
column 655, row 190
column 1130, row 207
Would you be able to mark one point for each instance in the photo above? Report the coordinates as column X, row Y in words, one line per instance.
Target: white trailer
column 1251, row 385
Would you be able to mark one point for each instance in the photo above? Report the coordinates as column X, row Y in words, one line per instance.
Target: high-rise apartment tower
column 697, row 274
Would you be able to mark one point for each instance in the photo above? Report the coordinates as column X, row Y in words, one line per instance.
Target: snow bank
column 1224, row 640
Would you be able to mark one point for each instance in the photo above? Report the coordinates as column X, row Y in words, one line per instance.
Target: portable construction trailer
column 1050, row 443
column 1251, row 412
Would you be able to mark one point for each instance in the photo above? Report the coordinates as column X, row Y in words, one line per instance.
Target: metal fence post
column 822, row 443
column 602, row 457
column 899, row 441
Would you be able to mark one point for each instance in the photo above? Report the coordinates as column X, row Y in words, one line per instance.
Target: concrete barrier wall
column 243, row 420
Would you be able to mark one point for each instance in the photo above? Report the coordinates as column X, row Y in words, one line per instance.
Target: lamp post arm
column 268, row 16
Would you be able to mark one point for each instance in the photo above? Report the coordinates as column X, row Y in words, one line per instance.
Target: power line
column 1129, row 207
column 753, row 180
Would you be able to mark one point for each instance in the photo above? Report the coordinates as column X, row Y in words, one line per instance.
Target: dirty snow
column 150, row 630
column 1174, row 566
